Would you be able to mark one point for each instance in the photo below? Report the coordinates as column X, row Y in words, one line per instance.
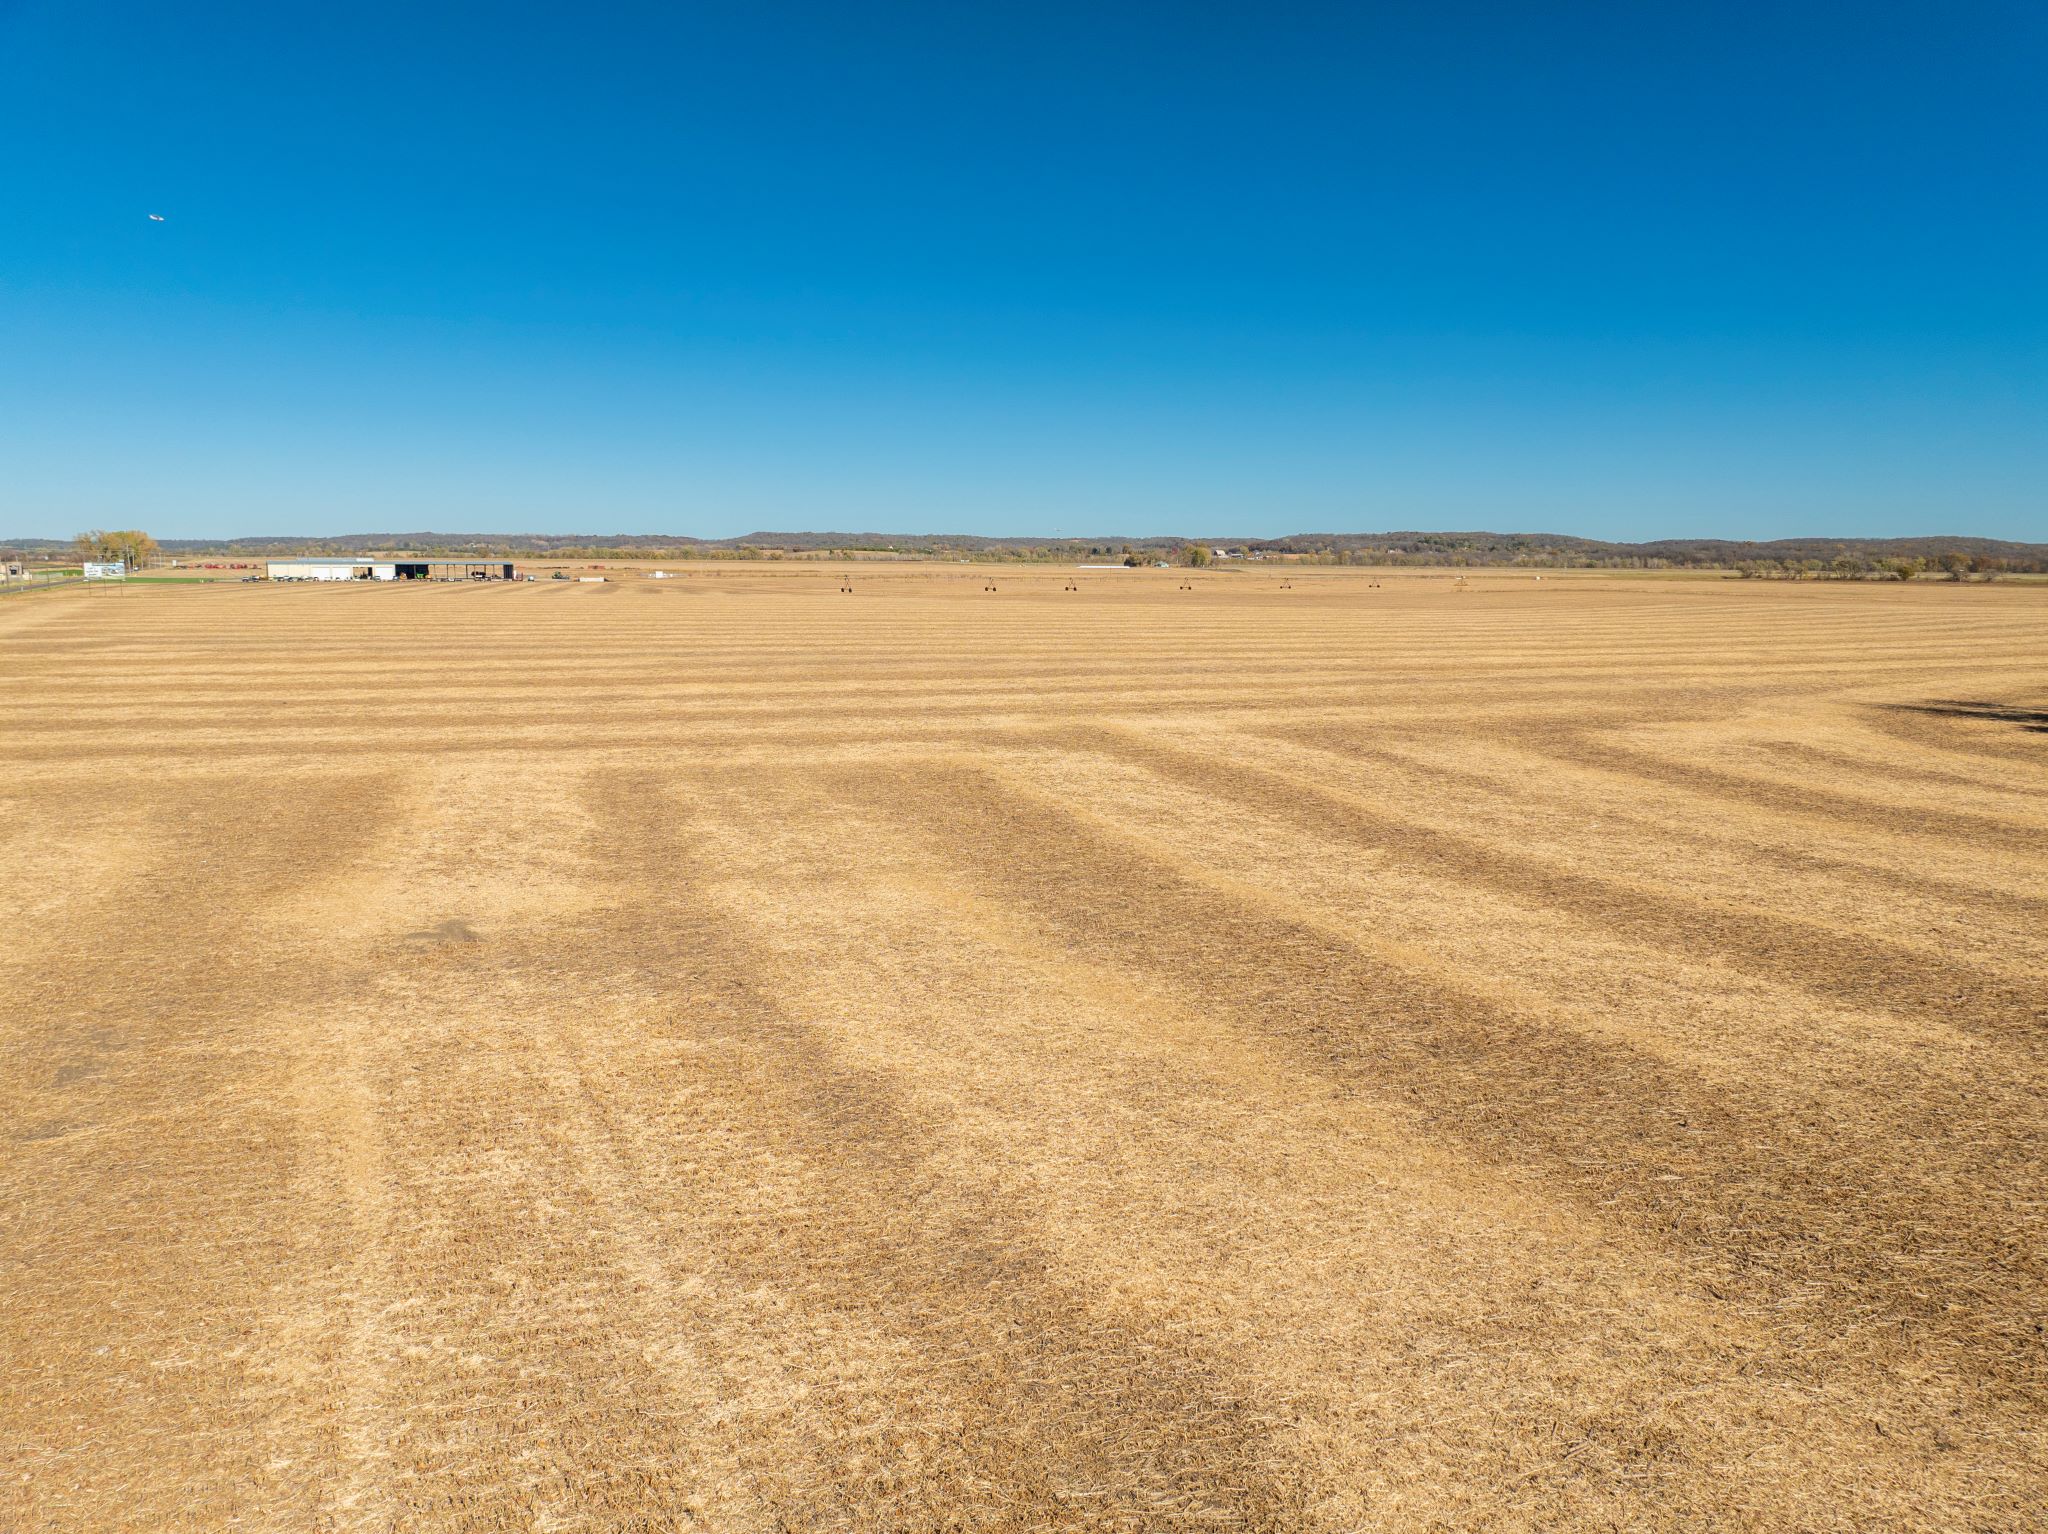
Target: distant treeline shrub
column 1784, row 559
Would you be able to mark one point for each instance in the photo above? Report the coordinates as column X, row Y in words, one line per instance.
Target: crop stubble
column 729, row 1053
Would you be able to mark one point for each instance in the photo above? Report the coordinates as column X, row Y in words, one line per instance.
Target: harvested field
column 731, row 1053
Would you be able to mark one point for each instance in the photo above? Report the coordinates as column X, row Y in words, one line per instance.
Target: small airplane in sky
column 156, row 218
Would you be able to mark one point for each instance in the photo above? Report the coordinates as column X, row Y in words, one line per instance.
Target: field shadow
column 2035, row 719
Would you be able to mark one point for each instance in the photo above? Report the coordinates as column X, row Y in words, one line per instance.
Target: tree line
column 1954, row 565
column 1787, row 559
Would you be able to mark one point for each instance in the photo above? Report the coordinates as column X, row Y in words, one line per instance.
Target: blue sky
column 1622, row 270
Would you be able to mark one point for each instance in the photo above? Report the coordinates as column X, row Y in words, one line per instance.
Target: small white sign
column 117, row 571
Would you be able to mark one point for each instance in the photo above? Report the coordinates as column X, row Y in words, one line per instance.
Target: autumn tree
column 132, row 548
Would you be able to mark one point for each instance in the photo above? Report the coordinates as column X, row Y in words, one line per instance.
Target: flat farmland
column 731, row 1053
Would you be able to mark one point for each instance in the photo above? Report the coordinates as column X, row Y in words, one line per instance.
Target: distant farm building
column 334, row 568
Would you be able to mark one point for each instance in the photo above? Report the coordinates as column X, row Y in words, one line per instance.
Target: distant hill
column 1539, row 550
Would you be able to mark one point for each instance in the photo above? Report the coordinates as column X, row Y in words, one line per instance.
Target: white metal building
column 327, row 567
column 331, row 570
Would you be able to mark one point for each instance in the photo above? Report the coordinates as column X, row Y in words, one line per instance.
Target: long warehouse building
column 340, row 568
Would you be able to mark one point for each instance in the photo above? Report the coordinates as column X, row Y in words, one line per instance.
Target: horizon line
column 1062, row 538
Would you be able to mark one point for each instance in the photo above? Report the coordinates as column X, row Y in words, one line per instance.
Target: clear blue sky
column 1628, row 270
